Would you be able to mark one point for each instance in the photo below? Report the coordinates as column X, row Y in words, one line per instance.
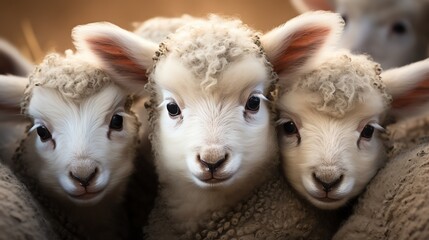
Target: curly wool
column 206, row 47
column 70, row 75
column 273, row 211
column 342, row 81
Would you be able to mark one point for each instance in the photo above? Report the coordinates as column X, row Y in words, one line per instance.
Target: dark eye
column 43, row 133
column 344, row 17
column 253, row 103
column 290, row 128
column 399, row 28
column 367, row 132
column 173, row 109
column 116, row 122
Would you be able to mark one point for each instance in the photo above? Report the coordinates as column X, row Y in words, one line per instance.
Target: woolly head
column 329, row 127
column 215, row 105
column 83, row 130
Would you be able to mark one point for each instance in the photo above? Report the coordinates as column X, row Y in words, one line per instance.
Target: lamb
column 209, row 85
column 393, row 32
column 330, row 121
column 80, row 147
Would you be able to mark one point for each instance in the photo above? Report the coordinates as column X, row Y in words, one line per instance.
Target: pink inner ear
column 415, row 97
column 117, row 58
column 301, row 46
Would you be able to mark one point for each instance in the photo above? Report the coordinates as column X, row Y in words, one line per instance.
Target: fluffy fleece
column 395, row 204
column 21, row 217
column 273, row 211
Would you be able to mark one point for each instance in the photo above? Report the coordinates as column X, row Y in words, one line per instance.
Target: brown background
column 39, row 26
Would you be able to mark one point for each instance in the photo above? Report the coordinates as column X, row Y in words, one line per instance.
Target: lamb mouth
column 86, row 195
column 212, row 180
column 327, row 199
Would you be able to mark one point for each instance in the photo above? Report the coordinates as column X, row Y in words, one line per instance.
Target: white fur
column 370, row 28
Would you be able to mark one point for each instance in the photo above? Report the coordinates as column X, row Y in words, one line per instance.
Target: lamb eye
column 290, row 128
column 173, row 109
column 367, row 132
column 43, row 133
column 116, row 122
column 344, row 17
column 253, row 103
column 399, row 28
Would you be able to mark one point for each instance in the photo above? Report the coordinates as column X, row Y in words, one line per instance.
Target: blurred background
column 37, row 27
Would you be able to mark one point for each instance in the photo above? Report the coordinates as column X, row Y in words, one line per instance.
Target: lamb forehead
column 238, row 78
column 207, row 47
column 342, row 82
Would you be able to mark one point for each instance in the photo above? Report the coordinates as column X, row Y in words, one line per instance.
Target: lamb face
column 328, row 132
column 84, row 148
column 83, row 135
column 206, row 134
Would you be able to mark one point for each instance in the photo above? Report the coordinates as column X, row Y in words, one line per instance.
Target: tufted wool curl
column 342, row 80
column 71, row 76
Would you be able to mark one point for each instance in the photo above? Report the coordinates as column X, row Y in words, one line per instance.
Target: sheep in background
column 329, row 123
column 213, row 138
column 80, row 148
column 393, row 32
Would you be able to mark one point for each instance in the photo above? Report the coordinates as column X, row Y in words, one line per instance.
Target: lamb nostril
column 84, row 181
column 213, row 166
column 328, row 186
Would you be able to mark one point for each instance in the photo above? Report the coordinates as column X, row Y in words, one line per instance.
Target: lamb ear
column 12, row 90
column 123, row 54
column 408, row 85
column 12, row 61
column 312, row 5
column 296, row 44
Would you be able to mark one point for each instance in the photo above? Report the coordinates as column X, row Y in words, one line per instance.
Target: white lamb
column 393, row 32
column 212, row 132
column 81, row 145
column 329, row 123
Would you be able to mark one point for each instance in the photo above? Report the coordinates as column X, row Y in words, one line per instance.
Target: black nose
column 84, row 181
column 328, row 186
column 213, row 166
